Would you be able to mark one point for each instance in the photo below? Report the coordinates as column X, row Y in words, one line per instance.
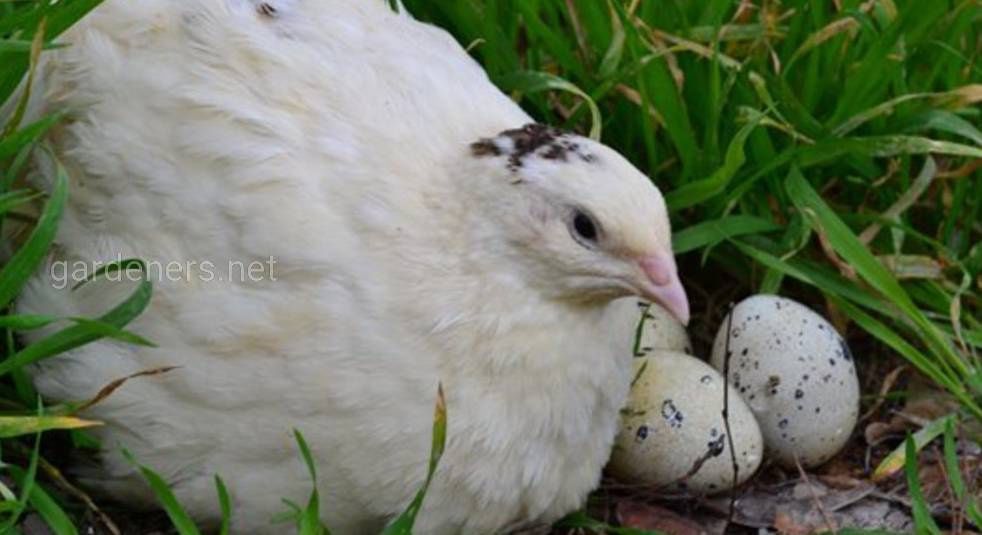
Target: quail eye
column 584, row 227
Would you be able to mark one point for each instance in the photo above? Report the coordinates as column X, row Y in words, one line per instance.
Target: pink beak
column 663, row 285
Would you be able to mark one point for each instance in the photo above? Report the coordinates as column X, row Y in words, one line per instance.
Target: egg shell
column 796, row 373
column 659, row 330
column 673, row 421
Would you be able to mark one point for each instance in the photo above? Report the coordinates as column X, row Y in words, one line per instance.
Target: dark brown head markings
column 533, row 139
column 266, row 10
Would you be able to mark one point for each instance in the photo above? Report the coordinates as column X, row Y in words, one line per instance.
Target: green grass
column 824, row 149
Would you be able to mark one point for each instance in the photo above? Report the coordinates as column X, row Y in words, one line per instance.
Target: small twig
column 818, row 502
column 726, row 415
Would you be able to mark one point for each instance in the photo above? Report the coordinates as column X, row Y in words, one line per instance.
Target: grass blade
column 906, row 454
column 57, row 520
column 78, row 335
column 710, row 233
column 225, row 503
column 165, row 496
column 403, row 524
column 14, row 426
column 922, row 513
column 309, row 522
column 26, row 260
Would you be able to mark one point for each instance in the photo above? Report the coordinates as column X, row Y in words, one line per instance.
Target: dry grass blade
column 107, row 390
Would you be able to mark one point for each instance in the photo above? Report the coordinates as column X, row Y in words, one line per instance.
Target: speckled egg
column 659, row 330
column 796, row 373
column 672, row 434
